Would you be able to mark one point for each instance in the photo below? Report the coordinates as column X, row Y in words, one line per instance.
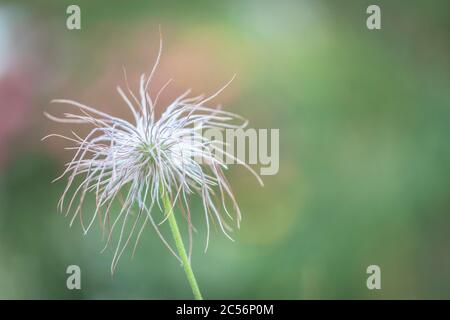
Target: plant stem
column 180, row 247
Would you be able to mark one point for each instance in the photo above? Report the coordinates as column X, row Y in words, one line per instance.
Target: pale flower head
column 137, row 162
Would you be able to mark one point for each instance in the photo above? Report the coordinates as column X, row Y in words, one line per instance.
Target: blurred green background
column 364, row 155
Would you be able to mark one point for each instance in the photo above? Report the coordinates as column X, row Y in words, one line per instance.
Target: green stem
column 180, row 247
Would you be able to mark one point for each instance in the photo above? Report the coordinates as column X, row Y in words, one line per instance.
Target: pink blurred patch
column 15, row 98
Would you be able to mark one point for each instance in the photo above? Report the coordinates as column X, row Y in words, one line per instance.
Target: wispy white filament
column 136, row 162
